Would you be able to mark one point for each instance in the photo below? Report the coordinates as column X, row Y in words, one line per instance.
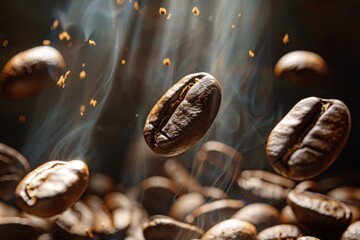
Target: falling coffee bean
column 309, row 138
column 303, row 68
column 13, row 167
column 28, row 72
column 52, row 187
column 319, row 214
column 183, row 114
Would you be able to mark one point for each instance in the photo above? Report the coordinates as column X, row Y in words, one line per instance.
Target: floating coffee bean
column 13, row 167
column 165, row 229
column 52, row 187
column 303, row 68
column 16, row 228
column 280, row 232
column 208, row 214
column 265, row 187
column 319, row 214
column 183, row 114
column 231, row 229
column 218, row 165
column 27, row 73
column 259, row 214
column 352, row 232
column 185, row 204
column 309, row 138
column 76, row 222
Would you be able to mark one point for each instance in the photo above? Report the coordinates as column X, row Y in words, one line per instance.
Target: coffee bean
column 183, row 114
column 265, row 187
column 231, row 229
column 100, row 184
column 13, row 167
column 280, row 232
column 174, row 170
column 349, row 195
column 303, row 68
column 352, row 232
column 103, row 225
column 259, row 214
column 218, row 165
column 185, row 204
column 163, row 190
column 208, row 214
column 16, row 228
column 309, row 138
column 28, row 72
column 287, row 216
column 307, row 185
column 76, row 222
column 52, row 187
column 319, row 214
column 307, row 238
column 7, row 210
column 165, row 229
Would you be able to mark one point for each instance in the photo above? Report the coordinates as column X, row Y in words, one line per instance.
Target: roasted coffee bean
column 259, row 214
column 7, row 210
column 75, row 223
column 303, row 68
column 265, row 187
column 208, row 214
column 185, row 204
column 28, row 72
column 103, row 224
column 100, row 184
column 307, row 185
column 13, row 167
column 165, row 229
column 231, row 229
column 163, row 190
column 16, row 228
column 309, row 138
column 116, row 200
column 308, row 238
column 350, row 196
column 52, row 187
column 352, row 232
column 213, row 194
column 287, row 216
column 120, row 207
column 319, row 214
column 174, row 170
column 183, row 114
column 218, row 165
column 138, row 218
column 280, row 232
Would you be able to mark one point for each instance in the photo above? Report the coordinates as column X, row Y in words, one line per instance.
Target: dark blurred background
column 329, row 28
